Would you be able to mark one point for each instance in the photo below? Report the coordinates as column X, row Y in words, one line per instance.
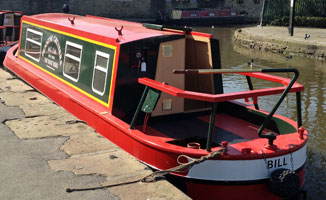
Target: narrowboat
column 158, row 94
column 205, row 17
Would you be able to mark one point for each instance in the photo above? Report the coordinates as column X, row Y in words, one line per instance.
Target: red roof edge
column 71, row 30
column 201, row 34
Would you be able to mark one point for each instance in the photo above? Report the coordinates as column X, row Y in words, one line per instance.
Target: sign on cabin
column 52, row 53
column 9, row 19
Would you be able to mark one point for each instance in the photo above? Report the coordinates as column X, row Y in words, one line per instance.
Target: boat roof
column 90, row 26
column 5, row 11
column 10, row 11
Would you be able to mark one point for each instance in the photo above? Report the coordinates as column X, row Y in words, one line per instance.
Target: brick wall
column 106, row 8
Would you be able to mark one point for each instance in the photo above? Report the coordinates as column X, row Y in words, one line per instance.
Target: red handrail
column 228, row 96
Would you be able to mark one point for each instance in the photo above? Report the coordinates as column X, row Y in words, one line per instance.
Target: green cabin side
column 84, row 64
column 89, row 66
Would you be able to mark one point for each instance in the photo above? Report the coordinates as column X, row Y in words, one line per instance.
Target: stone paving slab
column 85, row 153
column 26, row 98
column 110, row 164
column 87, row 143
column 159, row 190
column 14, row 85
column 9, row 113
column 47, row 126
column 32, row 103
column 25, row 174
column 4, row 76
column 119, row 167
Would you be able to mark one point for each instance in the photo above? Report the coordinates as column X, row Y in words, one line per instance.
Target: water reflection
column 312, row 76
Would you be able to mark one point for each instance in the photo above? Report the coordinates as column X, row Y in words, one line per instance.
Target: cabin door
column 198, row 56
column 171, row 56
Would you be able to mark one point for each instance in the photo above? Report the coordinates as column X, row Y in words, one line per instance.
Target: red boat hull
column 139, row 145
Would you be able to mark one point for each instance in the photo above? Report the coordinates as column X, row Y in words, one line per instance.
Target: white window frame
column 78, row 46
column 105, row 55
column 34, row 42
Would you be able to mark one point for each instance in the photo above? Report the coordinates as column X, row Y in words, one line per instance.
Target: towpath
column 307, row 42
column 44, row 149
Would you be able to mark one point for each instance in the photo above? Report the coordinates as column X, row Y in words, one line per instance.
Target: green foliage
column 309, row 13
column 319, row 22
column 280, row 21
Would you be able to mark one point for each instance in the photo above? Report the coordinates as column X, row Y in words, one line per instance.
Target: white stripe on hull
column 245, row 170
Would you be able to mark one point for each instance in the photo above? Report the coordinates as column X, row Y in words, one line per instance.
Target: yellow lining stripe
column 80, row 38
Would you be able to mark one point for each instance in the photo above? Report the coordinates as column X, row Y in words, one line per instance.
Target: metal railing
column 275, row 9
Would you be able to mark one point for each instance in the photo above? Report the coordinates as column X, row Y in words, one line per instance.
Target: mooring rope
column 159, row 174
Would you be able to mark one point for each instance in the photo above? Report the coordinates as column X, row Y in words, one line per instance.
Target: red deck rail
column 289, row 86
column 228, row 96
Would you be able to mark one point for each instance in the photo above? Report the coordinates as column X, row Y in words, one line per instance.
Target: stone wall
column 282, row 44
column 252, row 7
column 141, row 9
column 127, row 9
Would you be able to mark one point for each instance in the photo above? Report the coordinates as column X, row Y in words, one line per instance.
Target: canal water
column 312, row 77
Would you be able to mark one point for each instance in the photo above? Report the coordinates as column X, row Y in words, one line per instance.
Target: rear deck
column 183, row 131
column 186, row 128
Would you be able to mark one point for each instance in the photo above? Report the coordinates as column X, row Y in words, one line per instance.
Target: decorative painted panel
column 71, row 58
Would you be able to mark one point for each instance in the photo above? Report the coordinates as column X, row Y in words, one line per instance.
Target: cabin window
column 100, row 72
column 167, row 50
column 71, row 67
column 33, row 44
